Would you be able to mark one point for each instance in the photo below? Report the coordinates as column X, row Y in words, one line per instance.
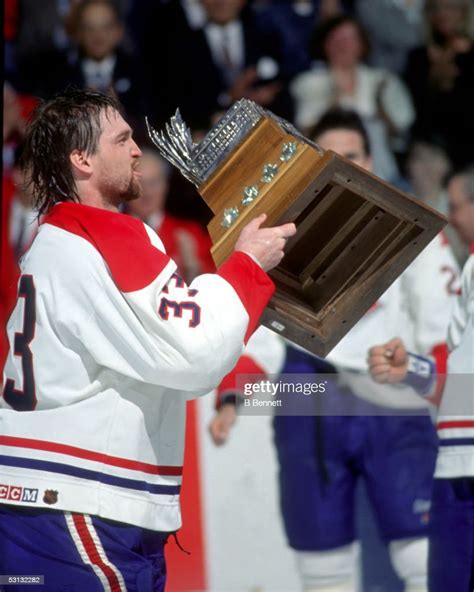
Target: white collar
column 104, row 67
column 232, row 32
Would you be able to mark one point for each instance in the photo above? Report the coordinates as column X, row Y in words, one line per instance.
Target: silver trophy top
column 198, row 161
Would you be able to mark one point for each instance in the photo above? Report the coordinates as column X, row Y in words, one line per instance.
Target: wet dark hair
column 322, row 32
column 341, row 119
column 69, row 121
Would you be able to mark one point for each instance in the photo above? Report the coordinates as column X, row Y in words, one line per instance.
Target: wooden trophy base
column 355, row 233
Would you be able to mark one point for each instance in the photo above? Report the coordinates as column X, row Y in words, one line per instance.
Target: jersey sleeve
column 464, row 305
column 165, row 333
column 431, row 285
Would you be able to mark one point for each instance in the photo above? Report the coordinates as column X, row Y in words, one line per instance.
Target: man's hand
column 221, row 424
column 264, row 244
column 388, row 363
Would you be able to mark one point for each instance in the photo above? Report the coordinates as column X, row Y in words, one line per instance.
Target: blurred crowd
column 405, row 66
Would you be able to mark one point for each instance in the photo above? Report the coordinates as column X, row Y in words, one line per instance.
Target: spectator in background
column 13, row 123
column 185, row 242
column 440, row 76
column 41, row 25
column 209, row 68
column 40, row 28
column 294, row 20
column 23, row 223
column 19, row 227
column 394, row 27
column 340, row 78
column 98, row 62
column 427, row 168
column 17, row 108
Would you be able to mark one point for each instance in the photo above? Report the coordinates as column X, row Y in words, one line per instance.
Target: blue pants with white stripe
column 78, row 553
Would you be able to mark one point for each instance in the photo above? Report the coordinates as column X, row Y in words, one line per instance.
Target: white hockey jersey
column 106, row 346
column 456, row 416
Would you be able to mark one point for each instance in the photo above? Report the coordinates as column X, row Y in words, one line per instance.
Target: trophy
column 355, row 233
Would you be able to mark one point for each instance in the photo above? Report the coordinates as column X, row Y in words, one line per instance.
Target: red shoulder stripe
column 122, row 241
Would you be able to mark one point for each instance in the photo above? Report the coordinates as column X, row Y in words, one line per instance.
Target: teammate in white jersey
column 451, row 562
column 106, row 345
column 355, row 435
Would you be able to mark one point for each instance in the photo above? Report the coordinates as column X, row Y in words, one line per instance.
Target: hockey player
column 451, row 554
column 321, row 458
column 106, row 345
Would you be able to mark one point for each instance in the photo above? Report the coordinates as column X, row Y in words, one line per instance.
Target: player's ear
column 80, row 162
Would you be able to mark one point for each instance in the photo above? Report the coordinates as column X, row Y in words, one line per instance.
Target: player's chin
column 134, row 190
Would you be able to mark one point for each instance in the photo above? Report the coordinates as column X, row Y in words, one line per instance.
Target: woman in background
column 339, row 77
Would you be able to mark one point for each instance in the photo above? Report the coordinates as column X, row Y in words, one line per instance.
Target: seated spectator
column 186, row 242
column 17, row 108
column 440, row 76
column 41, row 25
column 205, row 70
column 293, row 22
column 98, row 62
column 427, row 168
column 340, row 78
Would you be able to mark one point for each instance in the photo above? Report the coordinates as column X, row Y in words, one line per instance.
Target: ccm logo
column 18, row 494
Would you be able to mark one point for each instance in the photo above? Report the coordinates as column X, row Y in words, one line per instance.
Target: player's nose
column 136, row 152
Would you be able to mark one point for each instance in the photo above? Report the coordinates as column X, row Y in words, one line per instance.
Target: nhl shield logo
column 50, row 496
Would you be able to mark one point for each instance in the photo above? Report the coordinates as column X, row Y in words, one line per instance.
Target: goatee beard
column 134, row 190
